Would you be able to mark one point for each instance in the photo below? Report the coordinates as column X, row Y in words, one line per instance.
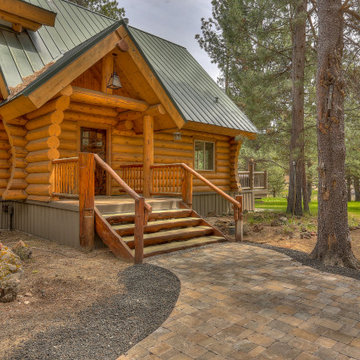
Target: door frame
column 92, row 125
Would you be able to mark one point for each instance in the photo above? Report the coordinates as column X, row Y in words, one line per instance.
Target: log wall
column 5, row 161
column 126, row 147
column 43, row 140
column 16, row 183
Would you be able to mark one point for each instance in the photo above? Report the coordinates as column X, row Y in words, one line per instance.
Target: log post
column 139, row 230
column 265, row 179
column 251, row 174
column 238, row 216
column 86, row 199
column 106, row 71
column 187, row 188
column 148, row 153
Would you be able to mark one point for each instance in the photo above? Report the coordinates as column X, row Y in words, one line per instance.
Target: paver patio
column 239, row 301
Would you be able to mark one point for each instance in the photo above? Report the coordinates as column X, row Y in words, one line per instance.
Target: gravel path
column 304, row 259
column 110, row 327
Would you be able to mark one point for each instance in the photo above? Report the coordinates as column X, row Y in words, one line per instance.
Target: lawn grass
column 280, row 204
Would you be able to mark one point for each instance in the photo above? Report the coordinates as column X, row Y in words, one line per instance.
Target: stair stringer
column 217, row 232
column 110, row 238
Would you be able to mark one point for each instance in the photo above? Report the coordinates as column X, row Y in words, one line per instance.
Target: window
column 204, row 155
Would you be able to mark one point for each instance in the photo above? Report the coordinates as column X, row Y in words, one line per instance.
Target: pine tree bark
column 333, row 245
column 357, row 188
column 296, row 165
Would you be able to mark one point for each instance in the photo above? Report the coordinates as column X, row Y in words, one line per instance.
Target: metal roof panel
column 22, row 55
column 195, row 93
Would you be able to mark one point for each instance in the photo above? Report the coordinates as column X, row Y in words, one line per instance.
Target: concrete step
column 180, row 245
column 128, row 205
column 118, row 218
column 158, row 225
column 171, row 235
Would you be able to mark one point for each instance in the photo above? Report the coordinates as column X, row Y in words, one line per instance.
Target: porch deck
column 120, row 203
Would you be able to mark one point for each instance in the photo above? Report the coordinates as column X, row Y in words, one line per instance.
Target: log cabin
column 110, row 132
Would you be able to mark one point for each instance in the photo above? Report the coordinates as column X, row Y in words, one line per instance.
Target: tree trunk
column 305, row 190
column 357, row 188
column 296, row 179
column 348, row 185
column 333, row 246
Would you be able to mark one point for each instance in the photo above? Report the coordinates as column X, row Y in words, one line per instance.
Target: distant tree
column 108, row 8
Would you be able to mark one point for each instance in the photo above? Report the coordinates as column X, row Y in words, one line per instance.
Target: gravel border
column 305, row 259
column 113, row 325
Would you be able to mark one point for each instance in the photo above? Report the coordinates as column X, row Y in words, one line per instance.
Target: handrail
column 121, row 182
column 204, row 180
column 65, row 160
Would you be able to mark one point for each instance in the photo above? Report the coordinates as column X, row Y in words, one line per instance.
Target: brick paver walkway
column 243, row 302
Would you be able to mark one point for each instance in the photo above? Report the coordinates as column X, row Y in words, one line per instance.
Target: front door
column 94, row 141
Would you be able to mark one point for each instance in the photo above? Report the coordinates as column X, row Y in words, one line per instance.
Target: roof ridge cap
column 92, row 11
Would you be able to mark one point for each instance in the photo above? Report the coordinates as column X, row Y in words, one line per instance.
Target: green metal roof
column 23, row 54
column 195, row 93
column 197, row 97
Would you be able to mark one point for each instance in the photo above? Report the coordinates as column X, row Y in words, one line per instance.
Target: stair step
column 171, row 235
column 128, row 205
column 180, row 245
column 157, row 225
column 117, row 217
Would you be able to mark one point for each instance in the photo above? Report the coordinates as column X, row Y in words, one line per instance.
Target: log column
column 235, row 146
column 148, row 125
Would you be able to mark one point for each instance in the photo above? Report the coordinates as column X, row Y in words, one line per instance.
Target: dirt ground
column 60, row 281
column 57, row 283
column 297, row 235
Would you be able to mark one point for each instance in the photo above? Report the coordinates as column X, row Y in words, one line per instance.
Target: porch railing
column 133, row 176
column 253, row 180
column 167, row 179
column 66, row 177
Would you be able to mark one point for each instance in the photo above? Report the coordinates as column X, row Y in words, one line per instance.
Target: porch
column 135, row 226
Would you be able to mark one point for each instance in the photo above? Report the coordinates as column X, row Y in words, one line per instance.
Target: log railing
column 186, row 176
column 167, row 179
column 76, row 177
column 133, row 176
column 66, row 177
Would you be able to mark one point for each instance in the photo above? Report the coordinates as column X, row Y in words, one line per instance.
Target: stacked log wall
column 43, row 132
column 16, row 183
column 5, row 161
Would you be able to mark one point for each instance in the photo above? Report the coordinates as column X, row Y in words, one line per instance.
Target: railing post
column 187, row 188
column 86, row 199
column 251, row 174
column 265, row 179
column 139, row 230
column 238, row 217
column 148, row 130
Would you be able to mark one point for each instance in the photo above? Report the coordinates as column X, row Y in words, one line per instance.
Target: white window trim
column 214, row 153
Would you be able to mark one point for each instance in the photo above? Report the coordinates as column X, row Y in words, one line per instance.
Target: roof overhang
column 62, row 73
column 22, row 14
column 214, row 129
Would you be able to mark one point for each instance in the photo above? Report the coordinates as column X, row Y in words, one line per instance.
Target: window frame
column 214, row 154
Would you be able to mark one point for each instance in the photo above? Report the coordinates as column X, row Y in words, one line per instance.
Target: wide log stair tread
column 167, row 230
column 157, row 225
column 180, row 245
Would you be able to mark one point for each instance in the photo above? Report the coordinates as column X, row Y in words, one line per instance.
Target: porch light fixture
column 114, row 81
column 177, row 135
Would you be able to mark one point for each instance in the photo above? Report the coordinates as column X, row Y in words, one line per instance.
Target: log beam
column 124, row 125
column 98, row 98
